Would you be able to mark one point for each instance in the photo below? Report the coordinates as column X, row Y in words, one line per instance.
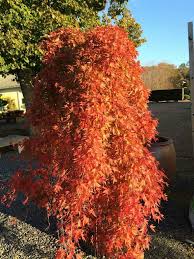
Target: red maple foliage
column 91, row 116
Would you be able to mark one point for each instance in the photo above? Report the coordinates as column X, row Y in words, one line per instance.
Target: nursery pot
column 164, row 151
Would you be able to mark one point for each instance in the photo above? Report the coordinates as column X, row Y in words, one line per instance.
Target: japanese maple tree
column 95, row 172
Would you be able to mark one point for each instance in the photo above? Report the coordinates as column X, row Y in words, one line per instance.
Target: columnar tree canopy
column 92, row 124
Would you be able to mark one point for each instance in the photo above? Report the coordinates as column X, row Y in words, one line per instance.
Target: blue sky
column 164, row 23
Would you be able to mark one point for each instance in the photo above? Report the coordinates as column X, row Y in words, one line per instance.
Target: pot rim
column 162, row 141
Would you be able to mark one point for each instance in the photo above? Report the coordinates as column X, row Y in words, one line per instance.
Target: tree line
column 166, row 76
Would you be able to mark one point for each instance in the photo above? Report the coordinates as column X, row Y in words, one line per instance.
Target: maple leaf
column 57, row 188
column 60, row 254
column 152, row 227
column 85, row 220
column 91, row 211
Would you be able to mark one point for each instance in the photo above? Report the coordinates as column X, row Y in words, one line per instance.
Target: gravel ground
column 20, row 240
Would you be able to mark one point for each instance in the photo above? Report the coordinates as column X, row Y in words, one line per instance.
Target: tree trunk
column 24, row 77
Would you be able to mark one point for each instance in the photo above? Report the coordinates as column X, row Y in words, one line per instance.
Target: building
column 10, row 90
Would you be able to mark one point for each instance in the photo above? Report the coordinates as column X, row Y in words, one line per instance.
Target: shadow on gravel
column 9, row 163
column 176, row 210
column 31, row 215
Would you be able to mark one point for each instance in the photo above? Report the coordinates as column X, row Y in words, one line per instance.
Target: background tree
column 24, row 23
column 120, row 15
column 182, row 79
